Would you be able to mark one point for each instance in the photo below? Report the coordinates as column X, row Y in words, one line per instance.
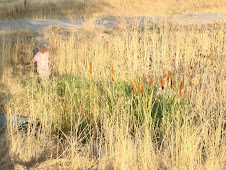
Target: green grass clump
column 76, row 110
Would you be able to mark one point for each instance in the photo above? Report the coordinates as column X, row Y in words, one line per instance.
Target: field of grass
column 104, row 108
column 54, row 9
column 132, row 98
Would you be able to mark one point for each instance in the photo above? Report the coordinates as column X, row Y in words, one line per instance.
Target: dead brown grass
column 102, row 8
column 196, row 139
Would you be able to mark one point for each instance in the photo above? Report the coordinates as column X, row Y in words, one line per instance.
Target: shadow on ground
column 11, row 154
column 5, row 159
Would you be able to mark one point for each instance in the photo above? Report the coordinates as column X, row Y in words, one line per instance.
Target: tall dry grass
column 90, row 121
column 52, row 9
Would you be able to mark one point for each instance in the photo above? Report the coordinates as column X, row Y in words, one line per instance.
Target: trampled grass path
column 112, row 22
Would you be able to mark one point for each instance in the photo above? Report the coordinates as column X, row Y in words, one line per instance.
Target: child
column 42, row 59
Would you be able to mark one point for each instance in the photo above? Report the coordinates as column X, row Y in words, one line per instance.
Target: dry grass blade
column 82, row 111
column 112, row 72
column 104, row 122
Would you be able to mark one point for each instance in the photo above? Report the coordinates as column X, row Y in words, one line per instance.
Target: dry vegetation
column 53, row 9
column 102, row 108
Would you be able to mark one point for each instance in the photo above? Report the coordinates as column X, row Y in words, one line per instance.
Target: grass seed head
column 195, row 81
column 181, row 87
column 139, row 88
column 189, row 88
column 197, row 76
column 90, row 68
column 168, row 75
column 82, row 111
column 171, row 79
column 132, row 89
column 142, row 89
column 150, row 82
column 163, row 83
column 208, row 62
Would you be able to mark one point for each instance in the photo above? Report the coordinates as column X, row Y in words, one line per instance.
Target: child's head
column 44, row 47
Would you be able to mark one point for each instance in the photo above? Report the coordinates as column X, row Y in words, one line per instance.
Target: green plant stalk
column 156, row 111
column 139, row 107
column 113, row 90
column 150, row 103
column 131, row 105
column 90, row 92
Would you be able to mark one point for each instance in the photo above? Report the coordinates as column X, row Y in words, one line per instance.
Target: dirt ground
column 113, row 22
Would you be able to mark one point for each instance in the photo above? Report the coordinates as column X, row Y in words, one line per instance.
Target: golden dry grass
column 93, row 122
column 193, row 138
column 102, row 8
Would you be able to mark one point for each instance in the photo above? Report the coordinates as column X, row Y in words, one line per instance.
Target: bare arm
column 52, row 65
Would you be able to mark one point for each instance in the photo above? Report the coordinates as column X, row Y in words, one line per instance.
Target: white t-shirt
column 42, row 63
